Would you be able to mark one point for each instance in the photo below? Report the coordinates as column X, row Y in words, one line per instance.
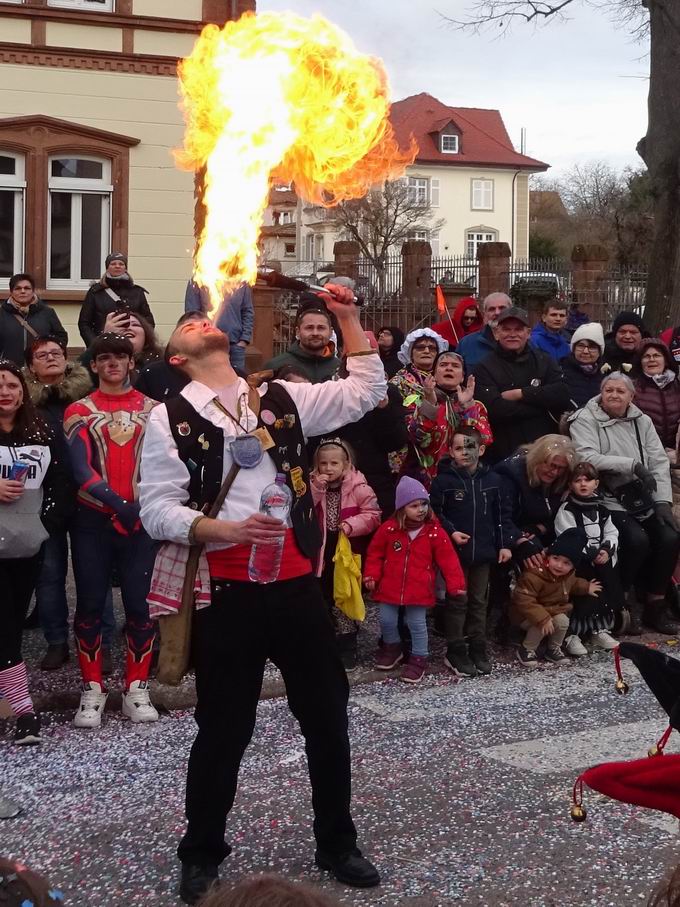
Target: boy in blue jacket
column 466, row 497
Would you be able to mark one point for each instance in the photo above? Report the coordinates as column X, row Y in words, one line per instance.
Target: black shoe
column 196, row 882
column 349, row 868
column 458, row 661
column 57, row 655
column 673, row 601
column 107, row 662
column 555, row 655
column 654, row 617
column 480, row 657
column 526, row 657
column 27, row 731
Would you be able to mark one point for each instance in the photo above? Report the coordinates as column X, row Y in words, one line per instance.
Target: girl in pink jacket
column 344, row 502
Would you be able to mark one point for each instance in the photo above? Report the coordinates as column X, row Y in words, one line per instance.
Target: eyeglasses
column 425, row 347
column 48, row 354
column 586, row 345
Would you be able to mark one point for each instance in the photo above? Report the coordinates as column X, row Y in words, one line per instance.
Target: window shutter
column 434, row 245
column 434, row 193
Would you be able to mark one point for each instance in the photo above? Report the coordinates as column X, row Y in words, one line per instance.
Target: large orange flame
column 276, row 97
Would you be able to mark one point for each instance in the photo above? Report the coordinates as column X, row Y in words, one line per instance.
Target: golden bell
column 654, row 751
column 578, row 813
column 621, row 687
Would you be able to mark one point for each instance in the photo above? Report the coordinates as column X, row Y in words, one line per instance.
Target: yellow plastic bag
column 347, row 580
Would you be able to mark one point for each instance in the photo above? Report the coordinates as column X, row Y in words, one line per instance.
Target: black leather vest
column 200, row 446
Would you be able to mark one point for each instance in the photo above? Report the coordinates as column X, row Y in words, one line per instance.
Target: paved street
column 461, row 794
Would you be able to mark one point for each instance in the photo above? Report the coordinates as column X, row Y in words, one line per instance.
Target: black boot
column 480, row 656
column 57, row 655
column 196, row 882
column 673, row 600
column 458, row 661
column 654, row 616
column 347, row 647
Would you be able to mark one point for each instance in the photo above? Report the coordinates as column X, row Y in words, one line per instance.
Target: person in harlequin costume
column 104, row 432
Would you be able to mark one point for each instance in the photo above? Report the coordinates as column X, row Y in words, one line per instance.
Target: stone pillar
column 589, row 267
column 262, row 347
column 347, row 254
column 494, row 268
column 416, row 258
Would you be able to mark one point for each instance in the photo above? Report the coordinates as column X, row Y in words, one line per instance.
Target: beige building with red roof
column 468, row 171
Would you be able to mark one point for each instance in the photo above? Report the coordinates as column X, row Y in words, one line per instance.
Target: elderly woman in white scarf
column 417, row 354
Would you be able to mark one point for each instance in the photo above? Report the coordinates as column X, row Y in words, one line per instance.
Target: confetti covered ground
column 461, row 795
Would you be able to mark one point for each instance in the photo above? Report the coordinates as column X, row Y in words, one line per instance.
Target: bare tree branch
column 486, row 13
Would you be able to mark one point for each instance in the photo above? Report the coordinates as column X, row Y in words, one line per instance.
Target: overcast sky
column 579, row 87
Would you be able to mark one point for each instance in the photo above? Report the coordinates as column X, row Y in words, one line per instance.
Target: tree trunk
column 660, row 150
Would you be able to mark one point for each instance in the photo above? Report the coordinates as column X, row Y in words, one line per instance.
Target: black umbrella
column 661, row 673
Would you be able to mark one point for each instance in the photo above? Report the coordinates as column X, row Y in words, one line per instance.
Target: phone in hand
column 123, row 308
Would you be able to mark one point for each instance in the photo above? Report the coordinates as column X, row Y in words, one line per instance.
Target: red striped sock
column 14, row 687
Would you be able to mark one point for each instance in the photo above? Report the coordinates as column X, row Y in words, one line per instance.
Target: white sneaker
column 574, row 647
column 136, row 703
column 603, row 640
column 91, row 708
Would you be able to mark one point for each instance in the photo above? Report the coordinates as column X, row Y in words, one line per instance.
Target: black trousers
column 246, row 624
column 17, row 581
column 648, row 552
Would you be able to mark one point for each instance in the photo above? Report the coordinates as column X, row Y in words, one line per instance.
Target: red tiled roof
column 483, row 136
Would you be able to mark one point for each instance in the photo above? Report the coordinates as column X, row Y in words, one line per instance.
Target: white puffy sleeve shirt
column 322, row 408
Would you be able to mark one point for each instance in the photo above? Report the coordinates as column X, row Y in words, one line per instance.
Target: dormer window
column 449, row 144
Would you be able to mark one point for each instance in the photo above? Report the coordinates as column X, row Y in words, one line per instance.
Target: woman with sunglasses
column 34, row 497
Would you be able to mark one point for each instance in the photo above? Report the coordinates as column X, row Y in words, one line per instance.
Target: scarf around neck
column 664, row 379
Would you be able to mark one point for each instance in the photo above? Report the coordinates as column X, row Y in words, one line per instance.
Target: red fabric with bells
column 232, row 563
column 653, row 782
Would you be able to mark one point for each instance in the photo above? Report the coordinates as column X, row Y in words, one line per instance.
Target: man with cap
column 582, row 367
column 313, row 351
column 115, row 295
column 475, row 346
column 522, row 388
column 628, row 331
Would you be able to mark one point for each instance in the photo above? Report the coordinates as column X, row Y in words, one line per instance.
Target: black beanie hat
column 570, row 544
column 629, row 318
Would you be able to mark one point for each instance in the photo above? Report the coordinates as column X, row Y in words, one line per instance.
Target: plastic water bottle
column 265, row 557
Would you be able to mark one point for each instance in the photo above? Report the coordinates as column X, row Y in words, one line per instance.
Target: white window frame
column 419, row 190
column 319, row 246
column 445, row 139
column 481, row 194
column 100, row 6
column 77, row 188
column 475, row 237
column 285, row 217
column 286, row 253
column 16, row 183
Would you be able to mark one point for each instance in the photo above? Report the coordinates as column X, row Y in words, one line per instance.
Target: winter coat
column 615, row 359
column 358, row 507
column 661, row 404
column 391, row 362
column 454, row 335
column 405, row 569
column 98, row 304
column 530, row 507
column 431, row 428
column 474, row 348
column 551, row 342
column 47, row 499
column 160, row 381
column 593, row 517
column 545, row 397
column 611, row 445
column 539, row 595
column 235, row 317
column 582, row 386
column 317, row 368
column 14, row 338
column 476, row 505
column 372, row 439
column 51, row 401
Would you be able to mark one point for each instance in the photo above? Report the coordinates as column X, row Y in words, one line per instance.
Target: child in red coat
column 401, row 566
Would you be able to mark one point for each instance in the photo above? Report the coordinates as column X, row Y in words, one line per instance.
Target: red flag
column 441, row 300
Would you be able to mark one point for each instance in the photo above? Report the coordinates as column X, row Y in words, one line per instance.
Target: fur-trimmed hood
column 76, row 385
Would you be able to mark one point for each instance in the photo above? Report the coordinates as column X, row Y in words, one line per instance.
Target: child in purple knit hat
column 400, row 570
